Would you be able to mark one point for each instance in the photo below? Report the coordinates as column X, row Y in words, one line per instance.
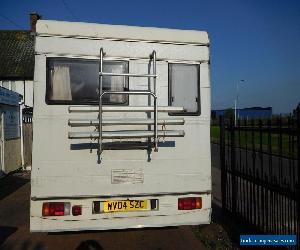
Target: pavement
column 14, row 228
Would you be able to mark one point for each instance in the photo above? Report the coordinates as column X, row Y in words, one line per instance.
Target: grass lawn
column 252, row 140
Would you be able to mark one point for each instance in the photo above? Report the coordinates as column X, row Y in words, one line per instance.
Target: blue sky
column 254, row 40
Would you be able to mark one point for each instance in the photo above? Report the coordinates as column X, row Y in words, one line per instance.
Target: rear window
column 75, row 81
column 184, row 87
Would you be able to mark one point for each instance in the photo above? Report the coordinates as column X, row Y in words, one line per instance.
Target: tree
column 229, row 114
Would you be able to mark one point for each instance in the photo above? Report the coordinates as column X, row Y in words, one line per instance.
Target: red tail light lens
column 189, row 203
column 76, row 210
column 56, row 208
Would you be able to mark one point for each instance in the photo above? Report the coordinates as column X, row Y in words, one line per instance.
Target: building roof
column 16, row 55
column 120, row 32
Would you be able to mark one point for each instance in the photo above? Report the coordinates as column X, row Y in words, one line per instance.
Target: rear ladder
column 99, row 123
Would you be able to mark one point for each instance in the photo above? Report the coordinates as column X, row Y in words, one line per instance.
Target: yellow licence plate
column 125, row 206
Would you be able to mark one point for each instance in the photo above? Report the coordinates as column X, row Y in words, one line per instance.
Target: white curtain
column 61, row 83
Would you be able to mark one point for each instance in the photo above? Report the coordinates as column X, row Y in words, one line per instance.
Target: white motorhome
column 121, row 127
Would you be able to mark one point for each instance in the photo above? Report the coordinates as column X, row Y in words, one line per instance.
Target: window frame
column 76, row 102
column 198, row 112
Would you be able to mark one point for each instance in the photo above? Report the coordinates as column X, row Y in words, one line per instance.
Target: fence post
column 233, row 169
column 298, row 170
column 223, row 166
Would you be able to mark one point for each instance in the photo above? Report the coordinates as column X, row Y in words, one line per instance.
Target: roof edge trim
column 121, row 33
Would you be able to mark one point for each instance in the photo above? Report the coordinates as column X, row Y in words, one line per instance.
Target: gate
column 260, row 173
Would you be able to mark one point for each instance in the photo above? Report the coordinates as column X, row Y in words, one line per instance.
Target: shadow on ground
column 11, row 183
column 5, row 232
column 89, row 245
column 26, row 245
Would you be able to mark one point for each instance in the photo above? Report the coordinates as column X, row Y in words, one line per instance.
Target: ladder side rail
column 155, row 102
column 100, row 107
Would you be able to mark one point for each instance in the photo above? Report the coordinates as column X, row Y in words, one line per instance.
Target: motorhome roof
column 120, row 32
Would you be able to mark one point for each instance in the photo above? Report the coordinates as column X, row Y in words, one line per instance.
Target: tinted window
column 76, row 81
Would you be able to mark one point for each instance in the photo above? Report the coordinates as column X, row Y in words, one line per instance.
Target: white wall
column 18, row 86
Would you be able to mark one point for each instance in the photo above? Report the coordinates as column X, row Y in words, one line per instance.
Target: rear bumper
column 167, row 215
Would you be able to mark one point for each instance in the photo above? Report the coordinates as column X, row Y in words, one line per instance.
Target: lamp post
column 236, row 115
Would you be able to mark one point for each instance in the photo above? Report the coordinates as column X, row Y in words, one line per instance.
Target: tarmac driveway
column 14, row 228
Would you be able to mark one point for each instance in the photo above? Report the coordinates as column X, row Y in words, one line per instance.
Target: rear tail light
column 56, row 208
column 189, row 203
column 76, row 210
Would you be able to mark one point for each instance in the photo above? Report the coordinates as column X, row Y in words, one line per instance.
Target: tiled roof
column 16, row 55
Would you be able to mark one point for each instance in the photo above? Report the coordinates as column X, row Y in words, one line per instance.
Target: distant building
column 247, row 113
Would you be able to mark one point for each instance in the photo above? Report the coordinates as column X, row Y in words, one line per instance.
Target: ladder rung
column 125, row 121
column 125, row 109
column 126, row 134
column 126, row 74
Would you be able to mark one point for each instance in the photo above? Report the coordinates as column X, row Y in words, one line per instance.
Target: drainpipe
column 21, row 126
